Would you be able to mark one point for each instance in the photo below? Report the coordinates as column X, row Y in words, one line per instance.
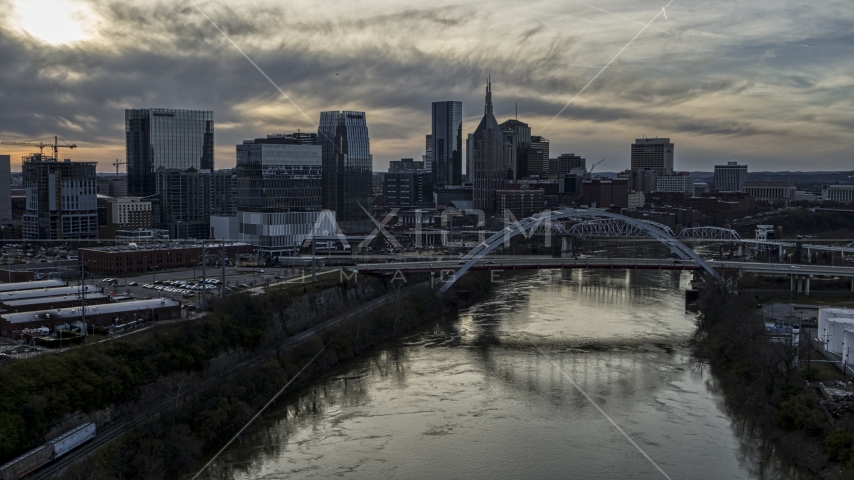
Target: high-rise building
column 166, row 138
column 538, row 156
column 5, row 188
column 183, row 202
column 405, row 164
column 469, row 151
column 224, row 192
column 280, row 173
column 492, row 157
column 567, row 162
column 520, row 134
column 347, row 164
column 428, row 154
column 447, row 141
column 730, row 177
column 655, row 154
column 62, row 199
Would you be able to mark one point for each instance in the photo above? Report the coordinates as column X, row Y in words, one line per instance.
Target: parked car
column 133, row 284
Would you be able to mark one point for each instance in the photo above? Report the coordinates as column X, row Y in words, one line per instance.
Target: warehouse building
column 96, row 316
column 48, row 292
column 11, row 287
column 52, row 303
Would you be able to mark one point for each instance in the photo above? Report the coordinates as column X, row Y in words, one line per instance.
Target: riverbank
column 174, row 442
column 766, row 391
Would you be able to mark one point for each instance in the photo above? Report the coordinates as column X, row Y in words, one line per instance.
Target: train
column 50, row 451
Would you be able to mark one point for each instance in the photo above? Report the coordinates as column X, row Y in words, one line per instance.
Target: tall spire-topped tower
column 487, row 107
column 492, row 157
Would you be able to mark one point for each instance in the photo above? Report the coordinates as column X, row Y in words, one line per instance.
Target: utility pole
column 83, row 293
column 222, row 280
column 313, row 260
column 204, row 278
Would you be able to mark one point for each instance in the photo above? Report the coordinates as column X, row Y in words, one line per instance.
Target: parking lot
column 236, row 279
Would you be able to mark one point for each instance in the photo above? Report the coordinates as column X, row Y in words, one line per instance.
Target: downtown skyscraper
column 166, row 138
column 447, row 139
column 492, row 157
column 347, row 164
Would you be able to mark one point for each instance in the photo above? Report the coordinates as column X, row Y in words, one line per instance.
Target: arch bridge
column 543, row 221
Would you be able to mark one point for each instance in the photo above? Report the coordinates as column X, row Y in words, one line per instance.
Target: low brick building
column 116, row 261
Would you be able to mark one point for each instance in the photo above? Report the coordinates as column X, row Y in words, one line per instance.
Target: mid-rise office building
column 604, row 193
column 675, row 183
column 224, row 192
column 166, row 138
column 653, row 154
column 447, row 141
column 650, row 154
column 125, row 213
column 280, row 173
column 538, row 157
column 492, row 157
column 113, row 186
column 519, row 133
column 347, row 164
column 183, row 202
column 570, row 163
column 285, row 233
column 61, row 199
column 407, row 185
column 521, row 203
column 730, row 177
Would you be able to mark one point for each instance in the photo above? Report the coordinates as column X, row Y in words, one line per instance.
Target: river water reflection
column 474, row 396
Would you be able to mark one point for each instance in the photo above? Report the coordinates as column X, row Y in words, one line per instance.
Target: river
column 496, row 392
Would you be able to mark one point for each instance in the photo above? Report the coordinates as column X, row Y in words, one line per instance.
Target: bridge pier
column 792, row 283
column 566, row 274
column 800, row 284
column 807, row 291
column 852, row 284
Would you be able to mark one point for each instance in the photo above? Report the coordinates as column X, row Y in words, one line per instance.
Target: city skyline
column 726, row 82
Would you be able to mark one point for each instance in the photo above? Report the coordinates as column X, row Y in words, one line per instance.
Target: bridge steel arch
column 545, row 218
column 615, row 228
column 710, row 233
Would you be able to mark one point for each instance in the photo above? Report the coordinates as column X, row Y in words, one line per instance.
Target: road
column 541, row 262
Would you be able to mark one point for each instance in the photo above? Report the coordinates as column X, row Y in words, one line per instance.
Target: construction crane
column 597, row 163
column 55, row 145
column 117, row 163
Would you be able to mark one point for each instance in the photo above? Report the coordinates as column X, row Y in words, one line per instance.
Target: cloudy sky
column 767, row 83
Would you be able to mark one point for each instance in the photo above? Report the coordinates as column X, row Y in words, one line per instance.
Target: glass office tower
column 347, row 163
column 447, row 141
column 167, row 138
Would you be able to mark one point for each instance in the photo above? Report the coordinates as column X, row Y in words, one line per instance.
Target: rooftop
column 48, row 300
column 11, row 287
column 47, row 292
column 74, row 313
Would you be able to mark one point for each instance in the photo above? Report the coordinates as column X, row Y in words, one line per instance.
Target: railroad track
column 106, row 434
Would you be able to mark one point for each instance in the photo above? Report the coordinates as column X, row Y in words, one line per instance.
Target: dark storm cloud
column 400, row 60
